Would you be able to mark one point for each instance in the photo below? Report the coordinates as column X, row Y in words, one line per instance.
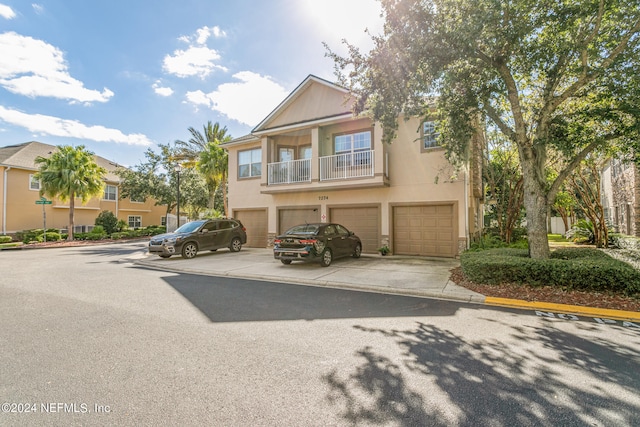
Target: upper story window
column 429, row 135
column 250, row 163
column 352, row 142
column 34, row 184
column 110, row 192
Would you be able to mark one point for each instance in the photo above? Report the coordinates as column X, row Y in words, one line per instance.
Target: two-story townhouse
column 312, row 160
column 19, row 191
column 620, row 192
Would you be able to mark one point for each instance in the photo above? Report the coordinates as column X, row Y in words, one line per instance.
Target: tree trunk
column 224, row 198
column 71, row 208
column 535, row 203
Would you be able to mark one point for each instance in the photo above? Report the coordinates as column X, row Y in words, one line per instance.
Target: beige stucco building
column 311, row 160
column 19, row 192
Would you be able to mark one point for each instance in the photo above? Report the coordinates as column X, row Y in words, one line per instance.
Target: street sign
column 43, row 201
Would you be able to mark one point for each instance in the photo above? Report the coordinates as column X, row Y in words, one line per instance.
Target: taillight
column 277, row 241
column 308, row 241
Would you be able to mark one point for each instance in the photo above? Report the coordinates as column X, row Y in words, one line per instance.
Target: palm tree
column 69, row 173
column 214, row 164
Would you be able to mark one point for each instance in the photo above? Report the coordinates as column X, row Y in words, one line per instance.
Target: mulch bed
column 548, row 294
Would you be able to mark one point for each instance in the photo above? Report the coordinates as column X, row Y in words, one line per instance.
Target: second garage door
column 363, row 221
column 255, row 221
column 428, row 230
column 288, row 217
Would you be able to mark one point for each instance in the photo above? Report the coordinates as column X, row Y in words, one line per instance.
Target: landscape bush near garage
column 587, row 269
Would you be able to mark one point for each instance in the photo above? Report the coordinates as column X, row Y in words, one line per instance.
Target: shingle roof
column 23, row 156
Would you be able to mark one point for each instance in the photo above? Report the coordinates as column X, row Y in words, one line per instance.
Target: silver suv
column 201, row 235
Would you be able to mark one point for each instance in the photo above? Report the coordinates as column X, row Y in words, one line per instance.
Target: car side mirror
column 204, row 230
column 351, row 233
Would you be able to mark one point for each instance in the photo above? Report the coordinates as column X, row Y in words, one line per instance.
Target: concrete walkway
column 402, row 275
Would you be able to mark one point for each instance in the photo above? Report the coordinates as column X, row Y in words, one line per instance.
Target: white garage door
column 364, row 221
column 255, row 221
column 428, row 230
column 289, row 217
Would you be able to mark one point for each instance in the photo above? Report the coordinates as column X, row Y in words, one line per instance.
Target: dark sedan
column 202, row 235
column 316, row 243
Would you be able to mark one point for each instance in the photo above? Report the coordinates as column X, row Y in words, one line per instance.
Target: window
column 110, row 192
column 135, row 221
column 285, row 154
column 305, row 152
column 352, row 142
column 34, row 184
column 429, row 135
column 250, row 163
column 163, row 221
column 353, row 148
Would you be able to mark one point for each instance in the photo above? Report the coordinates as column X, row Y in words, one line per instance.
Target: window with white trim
column 135, row 221
column 353, row 148
column 429, row 135
column 163, row 221
column 34, row 184
column 110, row 192
column 250, row 163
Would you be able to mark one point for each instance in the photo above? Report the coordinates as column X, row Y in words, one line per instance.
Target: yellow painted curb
column 565, row 308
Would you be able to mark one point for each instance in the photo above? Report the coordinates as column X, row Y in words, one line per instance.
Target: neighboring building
column 620, row 192
column 19, row 191
column 311, row 160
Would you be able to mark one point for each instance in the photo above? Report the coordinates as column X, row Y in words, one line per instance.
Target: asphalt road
column 88, row 338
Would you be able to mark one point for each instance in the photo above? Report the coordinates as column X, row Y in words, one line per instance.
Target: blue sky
column 123, row 76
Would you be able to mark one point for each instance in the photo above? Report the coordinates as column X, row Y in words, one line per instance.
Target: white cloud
column 37, row 8
column 248, row 101
column 195, row 61
column 34, row 68
column 6, row 12
column 161, row 90
column 198, row 59
column 55, row 126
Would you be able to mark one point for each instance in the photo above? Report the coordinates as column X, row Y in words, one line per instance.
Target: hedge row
column 571, row 268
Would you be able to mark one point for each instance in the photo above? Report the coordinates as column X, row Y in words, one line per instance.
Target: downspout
column 4, row 201
column 466, row 206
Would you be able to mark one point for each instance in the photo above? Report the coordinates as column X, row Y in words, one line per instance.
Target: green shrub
column 108, row 221
column 52, row 236
column 577, row 268
column 5, row 239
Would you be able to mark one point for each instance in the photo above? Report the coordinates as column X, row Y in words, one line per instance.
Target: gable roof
column 23, row 156
column 335, row 103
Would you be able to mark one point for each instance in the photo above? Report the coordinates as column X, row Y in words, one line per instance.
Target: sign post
column 43, row 202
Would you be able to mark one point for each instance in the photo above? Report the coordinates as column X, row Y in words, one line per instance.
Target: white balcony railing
column 344, row 166
column 290, row 172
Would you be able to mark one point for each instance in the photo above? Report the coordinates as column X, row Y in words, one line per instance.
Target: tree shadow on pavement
column 489, row 385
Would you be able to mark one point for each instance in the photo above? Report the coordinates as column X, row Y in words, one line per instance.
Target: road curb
column 632, row 316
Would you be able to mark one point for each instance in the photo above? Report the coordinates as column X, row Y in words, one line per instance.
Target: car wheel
column 285, row 261
column 164, row 256
column 189, row 250
column 326, row 259
column 357, row 251
column 235, row 245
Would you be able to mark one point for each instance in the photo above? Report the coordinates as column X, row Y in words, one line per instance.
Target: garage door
column 255, row 221
column 424, row 230
column 289, row 217
column 364, row 221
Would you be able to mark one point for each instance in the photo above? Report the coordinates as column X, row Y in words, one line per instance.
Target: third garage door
column 428, row 230
column 363, row 221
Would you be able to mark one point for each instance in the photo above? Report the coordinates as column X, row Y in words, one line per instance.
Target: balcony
column 345, row 166
column 291, row 172
column 352, row 170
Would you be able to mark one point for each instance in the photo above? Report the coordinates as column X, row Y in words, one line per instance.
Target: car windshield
column 189, row 227
column 303, row 229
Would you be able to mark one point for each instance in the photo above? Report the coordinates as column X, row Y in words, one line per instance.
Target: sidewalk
column 398, row 275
